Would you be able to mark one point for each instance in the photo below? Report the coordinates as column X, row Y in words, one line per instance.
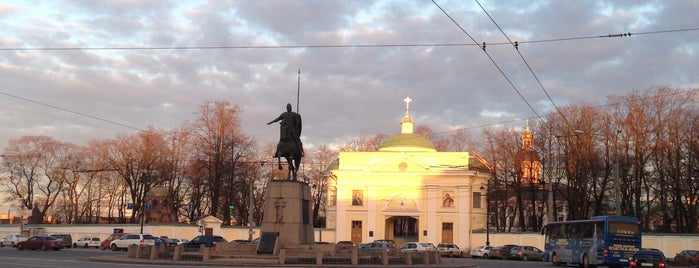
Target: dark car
column 43, row 242
column 162, row 241
column 207, row 240
column 686, row 257
column 67, row 239
column 501, row 252
column 648, row 258
column 526, row 253
column 379, row 246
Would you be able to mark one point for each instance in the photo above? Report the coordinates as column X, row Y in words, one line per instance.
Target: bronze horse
column 287, row 148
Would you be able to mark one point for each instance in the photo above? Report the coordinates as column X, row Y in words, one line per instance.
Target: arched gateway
column 402, row 229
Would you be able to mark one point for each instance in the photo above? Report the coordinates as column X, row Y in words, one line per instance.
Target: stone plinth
column 289, row 212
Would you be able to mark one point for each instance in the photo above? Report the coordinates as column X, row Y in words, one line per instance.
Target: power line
column 531, row 70
column 491, row 60
column 71, row 111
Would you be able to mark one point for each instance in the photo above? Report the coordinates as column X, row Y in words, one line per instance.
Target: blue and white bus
column 601, row 240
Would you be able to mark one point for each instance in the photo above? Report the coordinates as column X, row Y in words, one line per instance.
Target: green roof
column 407, row 140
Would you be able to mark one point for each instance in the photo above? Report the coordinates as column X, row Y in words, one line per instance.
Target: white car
column 481, row 252
column 88, row 242
column 449, row 249
column 417, row 247
column 131, row 239
column 12, row 240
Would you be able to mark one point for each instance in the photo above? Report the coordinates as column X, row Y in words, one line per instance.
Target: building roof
column 407, row 142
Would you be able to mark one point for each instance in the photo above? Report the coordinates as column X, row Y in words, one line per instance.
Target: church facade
column 406, row 191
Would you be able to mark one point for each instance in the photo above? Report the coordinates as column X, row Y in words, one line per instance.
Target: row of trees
column 209, row 165
column 206, row 166
column 647, row 142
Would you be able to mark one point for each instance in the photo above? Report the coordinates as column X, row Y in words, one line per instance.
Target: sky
column 93, row 70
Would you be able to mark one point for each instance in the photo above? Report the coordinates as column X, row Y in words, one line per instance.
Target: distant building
column 528, row 202
column 406, row 191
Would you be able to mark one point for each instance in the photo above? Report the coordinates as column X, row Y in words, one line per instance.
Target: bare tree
column 220, row 145
column 138, row 159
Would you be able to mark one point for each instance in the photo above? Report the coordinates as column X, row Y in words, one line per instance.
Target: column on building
column 372, row 200
column 431, row 204
column 342, row 228
column 464, row 227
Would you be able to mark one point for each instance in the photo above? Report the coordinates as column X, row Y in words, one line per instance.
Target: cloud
column 249, row 53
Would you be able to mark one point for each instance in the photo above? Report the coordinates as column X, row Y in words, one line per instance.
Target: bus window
column 599, row 230
column 619, row 228
column 588, row 230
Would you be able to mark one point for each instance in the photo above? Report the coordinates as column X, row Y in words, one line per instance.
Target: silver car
column 12, row 240
column 481, row 252
column 449, row 249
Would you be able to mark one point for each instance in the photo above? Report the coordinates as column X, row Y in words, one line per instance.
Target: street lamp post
column 250, row 211
column 487, row 213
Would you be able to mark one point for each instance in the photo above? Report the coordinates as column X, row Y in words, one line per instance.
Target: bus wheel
column 585, row 262
column 554, row 260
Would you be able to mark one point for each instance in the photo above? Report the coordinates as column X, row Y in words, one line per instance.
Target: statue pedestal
column 288, row 213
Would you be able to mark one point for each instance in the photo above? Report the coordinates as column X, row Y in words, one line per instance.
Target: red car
column 107, row 242
column 43, row 242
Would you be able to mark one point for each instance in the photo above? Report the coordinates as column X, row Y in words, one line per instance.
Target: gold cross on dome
column 407, row 101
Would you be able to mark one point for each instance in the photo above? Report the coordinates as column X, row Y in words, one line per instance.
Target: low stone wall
column 670, row 244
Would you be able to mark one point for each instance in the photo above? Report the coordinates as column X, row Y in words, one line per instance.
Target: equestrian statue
column 289, row 146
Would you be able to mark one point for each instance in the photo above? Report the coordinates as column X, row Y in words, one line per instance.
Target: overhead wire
column 70, row 111
column 515, row 44
column 615, row 35
column 491, row 60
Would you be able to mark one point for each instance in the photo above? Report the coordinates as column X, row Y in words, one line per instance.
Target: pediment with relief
column 401, row 203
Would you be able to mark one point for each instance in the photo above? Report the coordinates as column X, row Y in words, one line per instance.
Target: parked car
column 386, row 241
column 87, row 242
column 177, row 241
column 449, row 249
column 481, row 252
column 364, row 246
column 43, row 242
column 526, row 253
column 131, row 239
column 416, row 247
column 107, row 242
column 161, row 241
column 208, row 240
column 67, row 239
column 501, row 252
column 686, row 257
column 12, row 240
column 379, row 246
column 648, row 258
column 344, row 245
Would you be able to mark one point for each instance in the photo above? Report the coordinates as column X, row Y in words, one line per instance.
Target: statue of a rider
column 289, row 145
